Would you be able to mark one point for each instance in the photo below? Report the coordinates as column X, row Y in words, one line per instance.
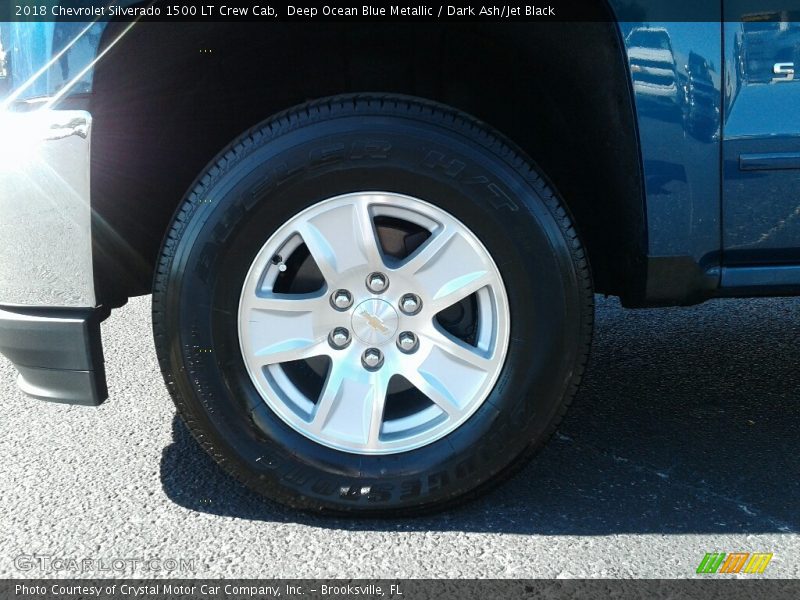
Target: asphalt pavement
column 684, row 439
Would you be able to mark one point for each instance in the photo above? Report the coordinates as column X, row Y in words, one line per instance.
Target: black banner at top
column 305, row 11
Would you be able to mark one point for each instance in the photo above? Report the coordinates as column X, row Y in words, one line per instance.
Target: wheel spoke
column 449, row 372
column 458, row 288
column 429, row 250
column 341, row 239
column 329, row 398
column 351, row 408
column 285, row 304
column 448, row 268
column 460, row 351
column 380, row 386
column 290, row 350
column 283, row 328
column 436, row 392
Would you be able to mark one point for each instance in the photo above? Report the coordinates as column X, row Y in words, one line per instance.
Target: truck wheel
column 372, row 304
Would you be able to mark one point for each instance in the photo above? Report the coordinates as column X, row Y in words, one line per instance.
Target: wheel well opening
column 169, row 97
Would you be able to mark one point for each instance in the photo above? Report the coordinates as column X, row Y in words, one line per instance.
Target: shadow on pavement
column 688, row 421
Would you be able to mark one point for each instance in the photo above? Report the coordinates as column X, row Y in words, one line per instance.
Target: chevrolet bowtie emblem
column 374, row 322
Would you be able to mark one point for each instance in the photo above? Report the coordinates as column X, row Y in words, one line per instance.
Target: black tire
column 316, row 151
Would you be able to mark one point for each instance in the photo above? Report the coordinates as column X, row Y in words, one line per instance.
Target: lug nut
column 372, row 359
column 339, row 338
column 341, row 299
column 410, row 304
column 377, row 282
column 407, row 342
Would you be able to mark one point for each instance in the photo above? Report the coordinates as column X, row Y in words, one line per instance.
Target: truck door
column 761, row 147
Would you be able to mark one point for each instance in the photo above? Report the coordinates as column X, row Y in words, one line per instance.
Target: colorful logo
column 735, row 562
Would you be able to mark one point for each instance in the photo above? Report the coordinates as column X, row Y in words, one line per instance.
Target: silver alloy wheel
column 453, row 375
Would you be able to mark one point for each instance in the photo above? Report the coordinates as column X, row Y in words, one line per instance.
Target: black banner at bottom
column 395, row 589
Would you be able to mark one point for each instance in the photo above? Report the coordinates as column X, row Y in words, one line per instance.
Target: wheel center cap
column 374, row 322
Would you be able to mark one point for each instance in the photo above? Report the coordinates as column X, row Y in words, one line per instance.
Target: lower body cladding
column 57, row 352
column 49, row 326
